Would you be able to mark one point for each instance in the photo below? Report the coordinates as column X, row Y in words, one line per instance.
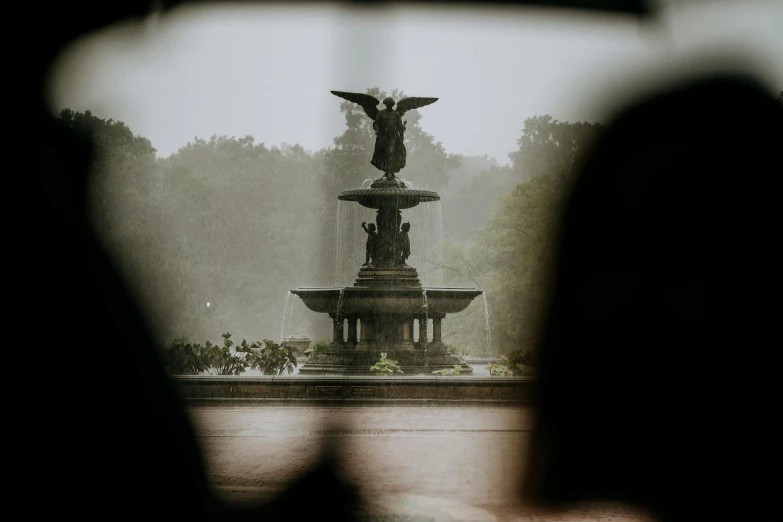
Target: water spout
column 285, row 310
column 486, row 325
column 365, row 182
column 340, row 302
column 338, row 245
column 425, row 311
column 294, row 309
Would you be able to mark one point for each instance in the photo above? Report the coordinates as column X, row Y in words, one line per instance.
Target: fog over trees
column 236, row 224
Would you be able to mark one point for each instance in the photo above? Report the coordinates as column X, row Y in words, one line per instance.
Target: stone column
column 365, row 334
column 406, row 331
column 436, row 345
column 352, row 338
column 436, row 319
column 337, row 329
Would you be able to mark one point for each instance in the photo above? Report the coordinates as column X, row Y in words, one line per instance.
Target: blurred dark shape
column 113, row 438
column 658, row 377
column 110, row 435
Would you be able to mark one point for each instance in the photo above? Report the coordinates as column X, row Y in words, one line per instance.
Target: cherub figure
column 373, row 240
column 403, row 244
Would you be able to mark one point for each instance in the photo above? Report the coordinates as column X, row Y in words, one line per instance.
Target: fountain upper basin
column 387, row 300
column 397, row 197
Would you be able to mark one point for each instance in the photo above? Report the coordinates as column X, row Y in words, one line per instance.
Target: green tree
column 232, row 211
column 120, row 164
column 124, row 209
column 511, row 257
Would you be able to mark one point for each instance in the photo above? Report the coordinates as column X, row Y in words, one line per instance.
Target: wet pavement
column 417, row 464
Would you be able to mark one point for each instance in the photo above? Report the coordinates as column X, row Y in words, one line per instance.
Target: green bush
column 516, row 363
column 222, row 361
column 459, row 351
column 499, row 370
column 385, row 366
column 316, row 347
column 181, row 357
column 450, row 372
column 272, row 359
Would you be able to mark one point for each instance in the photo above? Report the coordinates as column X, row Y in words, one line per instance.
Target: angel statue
column 389, row 155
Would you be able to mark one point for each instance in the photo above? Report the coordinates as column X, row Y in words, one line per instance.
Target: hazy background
column 212, row 216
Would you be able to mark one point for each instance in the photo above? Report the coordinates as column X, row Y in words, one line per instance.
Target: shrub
column 459, row 351
column 450, row 372
column 222, row 361
column 273, row 358
column 516, row 363
column 316, row 347
column 180, row 357
column 385, row 366
column 499, row 370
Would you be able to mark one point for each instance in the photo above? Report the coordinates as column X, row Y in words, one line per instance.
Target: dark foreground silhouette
column 658, row 382
column 657, row 374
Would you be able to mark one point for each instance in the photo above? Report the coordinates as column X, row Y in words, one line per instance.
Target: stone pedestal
column 436, row 346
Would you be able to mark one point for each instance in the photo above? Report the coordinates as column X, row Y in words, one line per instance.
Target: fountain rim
column 396, row 299
column 362, row 289
column 406, row 198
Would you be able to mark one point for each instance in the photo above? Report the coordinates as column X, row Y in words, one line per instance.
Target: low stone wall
column 323, row 389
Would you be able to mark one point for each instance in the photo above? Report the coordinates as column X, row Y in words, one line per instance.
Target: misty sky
column 268, row 71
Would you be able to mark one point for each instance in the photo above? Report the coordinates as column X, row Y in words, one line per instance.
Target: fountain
column 387, row 298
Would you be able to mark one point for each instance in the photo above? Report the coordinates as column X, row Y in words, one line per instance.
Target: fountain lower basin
column 392, row 300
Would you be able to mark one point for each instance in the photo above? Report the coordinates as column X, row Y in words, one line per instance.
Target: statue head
column 388, row 102
column 406, row 227
column 371, row 227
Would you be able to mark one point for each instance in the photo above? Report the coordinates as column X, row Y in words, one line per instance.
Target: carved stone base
column 384, row 182
column 395, row 346
column 358, row 363
column 436, row 347
column 398, row 276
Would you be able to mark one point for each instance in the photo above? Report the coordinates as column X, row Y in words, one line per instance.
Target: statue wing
column 368, row 103
column 408, row 104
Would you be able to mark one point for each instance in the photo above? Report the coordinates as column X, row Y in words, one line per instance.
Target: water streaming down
column 294, row 309
column 426, row 242
column 285, row 311
column 355, row 247
column 368, row 180
column 425, row 312
column 299, row 317
column 486, row 325
column 438, row 243
column 426, row 236
column 340, row 308
column 338, row 245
